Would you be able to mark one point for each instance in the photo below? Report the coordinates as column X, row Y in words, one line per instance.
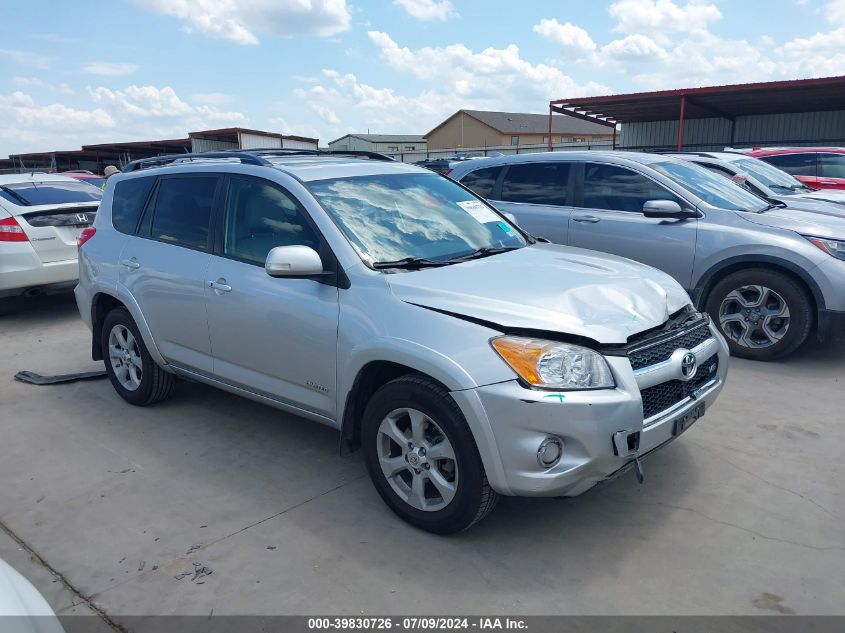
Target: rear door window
column 537, row 183
column 795, row 164
column 482, row 181
column 182, row 213
column 130, row 196
column 620, row 189
column 832, row 165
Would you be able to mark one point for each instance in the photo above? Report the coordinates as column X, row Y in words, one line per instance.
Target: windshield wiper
column 411, row 262
column 484, row 251
column 17, row 196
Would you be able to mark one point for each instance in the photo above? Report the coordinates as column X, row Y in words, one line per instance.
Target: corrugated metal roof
column 774, row 97
column 384, row 138
column 522, row 123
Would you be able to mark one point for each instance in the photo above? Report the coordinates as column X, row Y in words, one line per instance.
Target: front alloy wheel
column 417, row 459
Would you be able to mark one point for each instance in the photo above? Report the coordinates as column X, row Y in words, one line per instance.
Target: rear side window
column 182, row 212
column 537, row 183
column 482, row 181
column 619, row 189
column 130, row 196
column 795, row 164
column 832, row 165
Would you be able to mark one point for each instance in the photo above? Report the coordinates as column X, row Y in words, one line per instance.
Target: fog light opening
column 550, row 452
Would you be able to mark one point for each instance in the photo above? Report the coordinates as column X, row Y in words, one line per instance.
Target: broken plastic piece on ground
column 37, row 379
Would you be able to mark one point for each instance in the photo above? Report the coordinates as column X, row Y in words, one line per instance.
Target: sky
column 95, row 72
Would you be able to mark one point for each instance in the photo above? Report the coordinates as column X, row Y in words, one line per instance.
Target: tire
column 781, row 323
column 153, row 384
column 445, row 428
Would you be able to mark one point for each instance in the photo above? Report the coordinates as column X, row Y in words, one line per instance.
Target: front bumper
column 593, row 425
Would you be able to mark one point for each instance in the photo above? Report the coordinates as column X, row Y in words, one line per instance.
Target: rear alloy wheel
column 133, row 373
column 422, row 457
column 763, row 314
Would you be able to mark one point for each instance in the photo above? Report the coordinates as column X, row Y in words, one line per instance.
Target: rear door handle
column 586, row 219
column 828, row 182
column 220, row 286
column 131, row 263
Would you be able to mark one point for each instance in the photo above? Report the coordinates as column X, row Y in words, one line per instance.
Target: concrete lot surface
column 209, row 501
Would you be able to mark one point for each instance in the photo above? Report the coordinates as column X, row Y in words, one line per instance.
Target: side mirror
column 294, row 262
column 665, row 209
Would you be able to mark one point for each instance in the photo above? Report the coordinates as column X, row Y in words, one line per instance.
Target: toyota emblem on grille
column 689, row 365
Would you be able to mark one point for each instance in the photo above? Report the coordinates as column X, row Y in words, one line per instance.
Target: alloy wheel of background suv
column 763, row 314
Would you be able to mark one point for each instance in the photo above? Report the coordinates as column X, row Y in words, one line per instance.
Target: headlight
column 553, row 365
column 831, row 247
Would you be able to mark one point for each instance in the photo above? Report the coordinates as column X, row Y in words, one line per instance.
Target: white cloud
column 109, row 69
column 662, row 16
column 241, row 21
column 326, row 114
column 635, row 47
column 428, row 10
column 449, row 78
column 570, row 37
column 132, row 113
column 834, row 12
column 35, row 82
column 26, row 58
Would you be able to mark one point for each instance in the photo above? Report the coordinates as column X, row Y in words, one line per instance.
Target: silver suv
column 767, row 274
column 467, row 359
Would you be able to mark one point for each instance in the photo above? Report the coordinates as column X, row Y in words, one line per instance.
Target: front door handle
column 586, row 219
column 131, row 263
column 220, row 286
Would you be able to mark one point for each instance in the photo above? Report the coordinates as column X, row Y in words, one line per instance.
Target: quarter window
column 482, row 181
column 832, row 165
column 620, row 189
column 259, row 217
column 795, row 164
column 537, row 183
column 130, row 196
column 183, row 210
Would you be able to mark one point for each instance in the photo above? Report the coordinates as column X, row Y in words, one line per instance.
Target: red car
column 817, row 167
column 86, row 176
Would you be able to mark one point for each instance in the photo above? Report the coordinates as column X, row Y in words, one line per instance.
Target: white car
column 22, row 608
column 41, row 216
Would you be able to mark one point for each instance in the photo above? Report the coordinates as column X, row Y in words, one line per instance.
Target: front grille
column 660, row 397
column 646, row 356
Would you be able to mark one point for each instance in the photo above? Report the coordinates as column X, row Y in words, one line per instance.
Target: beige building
column 479, row 128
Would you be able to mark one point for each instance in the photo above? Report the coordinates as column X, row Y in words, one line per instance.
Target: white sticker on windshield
column 479, row 211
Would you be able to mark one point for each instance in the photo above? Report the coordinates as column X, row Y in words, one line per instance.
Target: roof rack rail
column 289, row 151
column 169, row 159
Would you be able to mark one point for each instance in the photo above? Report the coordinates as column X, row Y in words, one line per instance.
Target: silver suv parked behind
column 388, row 302
column 768, row 275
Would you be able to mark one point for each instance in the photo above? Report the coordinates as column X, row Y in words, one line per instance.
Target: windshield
column 390, row 217
column 52, row 192
column 715, row 190
column 770, row 175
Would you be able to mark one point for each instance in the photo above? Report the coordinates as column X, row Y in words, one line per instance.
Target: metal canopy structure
column 724, row 102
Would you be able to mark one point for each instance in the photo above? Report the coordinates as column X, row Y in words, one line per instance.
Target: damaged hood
column 549, row 287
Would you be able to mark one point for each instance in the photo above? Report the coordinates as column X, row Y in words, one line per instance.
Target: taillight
column 11, row 231
column 86, row 235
